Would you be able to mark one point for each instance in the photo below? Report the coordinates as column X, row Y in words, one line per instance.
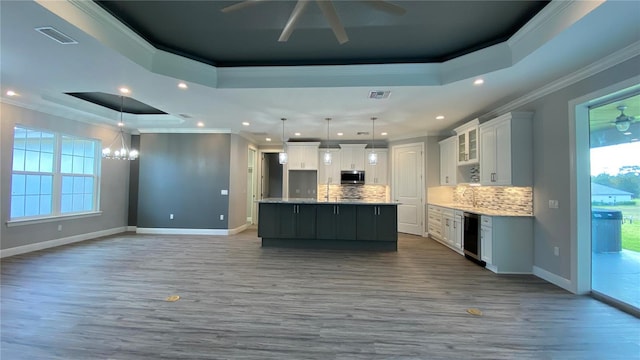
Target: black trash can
column 606, row 233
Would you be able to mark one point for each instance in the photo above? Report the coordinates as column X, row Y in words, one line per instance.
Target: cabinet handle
column 338, row 209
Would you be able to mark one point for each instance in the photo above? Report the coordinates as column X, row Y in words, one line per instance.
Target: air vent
column 362, row 133
column 56, row 35
column 379, row 94
column 184, row 116
column 259, row 133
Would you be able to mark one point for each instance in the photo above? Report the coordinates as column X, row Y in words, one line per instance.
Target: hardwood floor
column 104, row 299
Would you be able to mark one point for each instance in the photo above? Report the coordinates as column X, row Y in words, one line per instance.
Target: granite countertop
column 481, row 211
column 320, row 202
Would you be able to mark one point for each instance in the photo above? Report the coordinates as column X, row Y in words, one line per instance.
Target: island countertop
column 320, row 202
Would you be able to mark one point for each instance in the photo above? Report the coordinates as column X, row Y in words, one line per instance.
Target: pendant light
column 373, row 157
column 282, row 157
column 327, row 155
column 123, row 153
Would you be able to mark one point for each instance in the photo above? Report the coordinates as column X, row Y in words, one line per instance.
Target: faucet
column 474, row 202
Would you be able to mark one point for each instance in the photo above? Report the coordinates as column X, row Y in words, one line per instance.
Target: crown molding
column 183, row 131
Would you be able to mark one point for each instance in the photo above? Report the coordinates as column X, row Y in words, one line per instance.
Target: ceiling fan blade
column 241, row 5
column 293, row 18
column 386, row 7
column 334, row 21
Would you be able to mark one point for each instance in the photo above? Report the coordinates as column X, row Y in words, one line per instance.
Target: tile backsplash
column 516, row 199
column 374, row 193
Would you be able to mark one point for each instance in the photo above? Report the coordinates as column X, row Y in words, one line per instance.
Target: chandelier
column 123, row 153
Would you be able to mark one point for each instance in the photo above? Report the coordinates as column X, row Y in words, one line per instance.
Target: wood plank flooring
column 104, row 299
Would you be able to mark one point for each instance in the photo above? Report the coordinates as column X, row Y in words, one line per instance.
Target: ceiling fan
column 623, row 121
column 329, row 12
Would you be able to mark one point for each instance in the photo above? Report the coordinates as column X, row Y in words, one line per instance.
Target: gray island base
column 304, row 223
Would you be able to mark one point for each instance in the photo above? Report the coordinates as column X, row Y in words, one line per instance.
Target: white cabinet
column 506, row 150
column 448, row 233
column 352, row 156
column 377, row 174
column 457, row 230
column 506, row 244
column 329, row 174
column 445, row 226
column 448, row 166
column 467, row 143
column 302, row 156
column 434, row 221
column 486, row 240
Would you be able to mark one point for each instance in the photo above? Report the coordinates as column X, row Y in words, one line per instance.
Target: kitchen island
column 308, row 223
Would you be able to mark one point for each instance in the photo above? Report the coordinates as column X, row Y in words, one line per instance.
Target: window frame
column 57, row 176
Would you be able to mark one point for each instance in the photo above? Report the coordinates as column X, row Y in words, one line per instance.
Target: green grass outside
column 630, row 231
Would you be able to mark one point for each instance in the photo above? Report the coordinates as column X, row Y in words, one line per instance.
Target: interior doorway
column 271, row 177
column 408, row 187
column 252, row 174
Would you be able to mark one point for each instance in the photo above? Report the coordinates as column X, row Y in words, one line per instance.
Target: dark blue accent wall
column 183, row 174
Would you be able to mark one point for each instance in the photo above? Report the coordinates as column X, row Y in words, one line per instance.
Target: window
column 52, row 174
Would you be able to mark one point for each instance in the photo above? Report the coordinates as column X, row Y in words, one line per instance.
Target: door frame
column 254, row 182
column 422, row 179
column 580, row 182
column 260, row 182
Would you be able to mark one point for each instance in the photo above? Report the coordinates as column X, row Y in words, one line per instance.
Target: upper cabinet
column 302, row 156
column 352, row 156
column 377, row 174
column 329, row 174
column 506, row 149
column 448, row 161
column 467, row 150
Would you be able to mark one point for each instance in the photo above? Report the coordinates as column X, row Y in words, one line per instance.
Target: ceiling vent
column 184, row 116
column 379, row 94
column 56, row 35
column 362, row 133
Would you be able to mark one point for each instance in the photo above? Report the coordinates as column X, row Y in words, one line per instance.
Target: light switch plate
column 553, row 204
column 224, row 192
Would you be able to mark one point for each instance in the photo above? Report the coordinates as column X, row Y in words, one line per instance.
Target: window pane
column 89, row 149
column 88, row 185
column 67, row 146
column 78, row 147
column 46, row 185
column 19, row 138
column 46, row 162
column 88, row 202
column 47, row 142
column 67, row 184
column 33, row 140
column 45, row 204
column 18, row 184
column 66, row 203
column 88, row 166
column 32, row 205
column 33, row 185
column 77, row 202
column 32, row 162
column 17, row 206
column 78, row 185
column 18, row 160
column 66, row 164
column 78, row 165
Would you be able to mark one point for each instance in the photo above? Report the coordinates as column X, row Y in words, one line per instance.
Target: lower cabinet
column 377, row 222
column 287, row 221
column 336, row 222
column 486, row 240
column 506, row 244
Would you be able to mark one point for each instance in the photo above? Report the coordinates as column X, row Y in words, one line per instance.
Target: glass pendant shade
column 282, row 158
column 373, row 158
column 327, row 158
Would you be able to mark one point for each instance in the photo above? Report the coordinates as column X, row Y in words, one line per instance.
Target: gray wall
column 134, row 173
column 183, row 174
column 113, row 187
column 551, row 165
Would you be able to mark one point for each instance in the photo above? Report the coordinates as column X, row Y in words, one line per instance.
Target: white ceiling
column 565, row 37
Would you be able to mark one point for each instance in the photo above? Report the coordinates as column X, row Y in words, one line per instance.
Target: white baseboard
column 553, row 278
column 179, row 231
column 58, row 242
column 239, row 229
column 131, row 228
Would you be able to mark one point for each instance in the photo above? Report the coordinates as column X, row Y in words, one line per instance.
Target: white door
column 407, row 187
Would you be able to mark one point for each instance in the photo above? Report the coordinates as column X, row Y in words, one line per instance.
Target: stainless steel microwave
column 352, row 177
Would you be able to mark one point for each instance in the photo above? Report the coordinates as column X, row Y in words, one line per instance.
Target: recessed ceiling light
column 440, row 117
column 627, row 133
column 200, row 124
column 268, row 139
column 478, row 82
column 124, row 90
column 11, row 93
column 340, row 134
column 297, row 134
column 182, row 85
column 384, row 134
column 244, row 123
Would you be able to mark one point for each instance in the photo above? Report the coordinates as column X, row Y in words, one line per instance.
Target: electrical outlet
column 556, row 251
column 221, row 217
column 553, row 204
column 170, row 216
column 224, row 192
column 59, row 227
